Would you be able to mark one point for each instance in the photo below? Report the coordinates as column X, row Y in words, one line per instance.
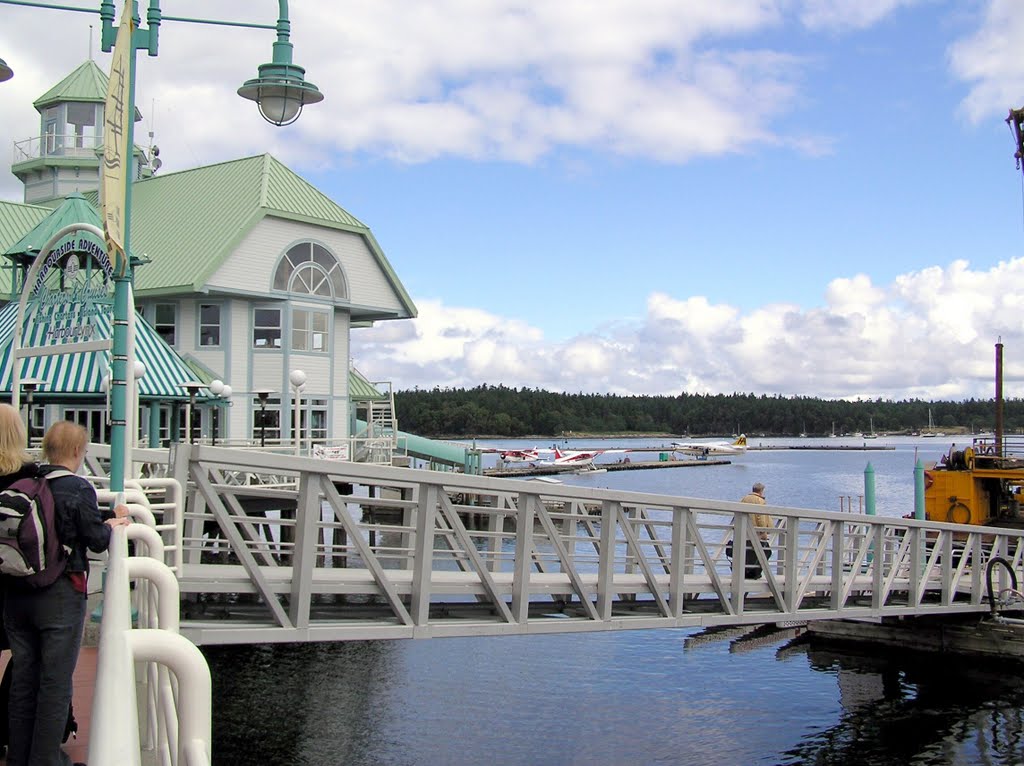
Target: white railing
column 57, row 145
column 338, row 551
column 157, row 501
column 171, row 717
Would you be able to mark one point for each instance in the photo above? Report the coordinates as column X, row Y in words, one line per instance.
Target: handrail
column 170, row 510
column 422, row 545
column 177, row 723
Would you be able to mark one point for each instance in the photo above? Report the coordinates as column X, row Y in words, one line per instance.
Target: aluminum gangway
column 277, row 548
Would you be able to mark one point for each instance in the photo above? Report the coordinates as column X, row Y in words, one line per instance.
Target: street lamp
column 263, row 394
column 138, row 373
column 298, row 380
column 221, row 390
column 29, row 386
column 193, row 388
column 280, row 90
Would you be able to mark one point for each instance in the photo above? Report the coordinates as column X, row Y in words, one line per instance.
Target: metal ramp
column 359, row 551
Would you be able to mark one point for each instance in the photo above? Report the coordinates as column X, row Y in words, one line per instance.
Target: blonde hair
column 63, row 440
column 13, row 439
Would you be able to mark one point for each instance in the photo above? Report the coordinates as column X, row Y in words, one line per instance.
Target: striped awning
column 70, row 376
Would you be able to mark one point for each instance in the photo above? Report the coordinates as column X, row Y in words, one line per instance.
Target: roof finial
column 90, row 42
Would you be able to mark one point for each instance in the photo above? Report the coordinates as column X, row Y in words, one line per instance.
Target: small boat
column 930, row 434
column 872, row 434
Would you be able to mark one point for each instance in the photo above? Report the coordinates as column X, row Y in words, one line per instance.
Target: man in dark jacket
column 44, row 625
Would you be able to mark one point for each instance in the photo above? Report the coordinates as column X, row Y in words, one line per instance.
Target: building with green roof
column 245, row 269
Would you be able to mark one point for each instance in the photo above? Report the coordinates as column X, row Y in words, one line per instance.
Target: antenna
column 154, row 151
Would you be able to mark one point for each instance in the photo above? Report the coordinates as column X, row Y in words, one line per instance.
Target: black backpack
column 30, row 548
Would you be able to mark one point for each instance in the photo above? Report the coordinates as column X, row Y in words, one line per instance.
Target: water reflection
column 633, row 697
column 917, row 709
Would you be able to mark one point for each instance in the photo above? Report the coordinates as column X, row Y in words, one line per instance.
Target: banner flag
column 117, row 155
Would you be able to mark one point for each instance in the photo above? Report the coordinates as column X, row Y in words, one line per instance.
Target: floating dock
column 635, row 465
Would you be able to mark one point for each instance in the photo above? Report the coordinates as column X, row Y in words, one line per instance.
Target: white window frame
column 157, row 324
column 306, row 336
column 266, row 328
column 219, row 325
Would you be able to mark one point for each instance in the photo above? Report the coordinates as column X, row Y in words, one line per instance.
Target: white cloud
column 501, row 80
column 843, row 14
column 929, row 334
column 991, row 61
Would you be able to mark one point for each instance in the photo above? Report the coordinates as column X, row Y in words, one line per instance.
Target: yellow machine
column 978, row 485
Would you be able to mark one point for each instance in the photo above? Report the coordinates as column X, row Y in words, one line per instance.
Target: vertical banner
column 117, row 154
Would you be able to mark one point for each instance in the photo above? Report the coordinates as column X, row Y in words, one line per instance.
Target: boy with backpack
column 44, row 610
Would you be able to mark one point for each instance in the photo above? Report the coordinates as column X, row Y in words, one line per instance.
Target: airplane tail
column 741, row 441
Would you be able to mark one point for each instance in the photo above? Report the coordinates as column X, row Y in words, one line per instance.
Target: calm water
column 631, row 697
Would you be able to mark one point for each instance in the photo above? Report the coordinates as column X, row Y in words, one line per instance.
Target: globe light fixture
column 298, row 380
column 280, row 89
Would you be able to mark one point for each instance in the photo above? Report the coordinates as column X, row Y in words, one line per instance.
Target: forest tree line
column 500, row 411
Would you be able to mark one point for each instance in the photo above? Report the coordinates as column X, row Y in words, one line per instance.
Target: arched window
column 311, row 269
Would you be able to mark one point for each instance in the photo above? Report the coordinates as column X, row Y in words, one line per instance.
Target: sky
column 783, row 197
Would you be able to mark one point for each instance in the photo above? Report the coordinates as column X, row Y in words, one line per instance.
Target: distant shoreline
column 954, row 431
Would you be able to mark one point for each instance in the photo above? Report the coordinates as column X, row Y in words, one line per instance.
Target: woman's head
column 13, row 440
column 64, row 444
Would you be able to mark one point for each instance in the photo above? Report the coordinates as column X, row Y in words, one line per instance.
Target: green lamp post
column 280, row 90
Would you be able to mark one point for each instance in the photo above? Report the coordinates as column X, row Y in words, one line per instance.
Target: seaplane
column 581, row 458
column 519, row 455
column 703, row 450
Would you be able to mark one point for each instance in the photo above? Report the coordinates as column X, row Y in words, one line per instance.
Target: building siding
column 271, row 237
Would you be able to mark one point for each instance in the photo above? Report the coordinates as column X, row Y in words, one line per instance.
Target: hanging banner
column 117, row 154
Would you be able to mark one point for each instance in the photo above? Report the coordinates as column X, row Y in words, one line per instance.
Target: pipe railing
column 175, row 718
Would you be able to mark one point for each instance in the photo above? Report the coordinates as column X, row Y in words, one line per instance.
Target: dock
column 636, row 465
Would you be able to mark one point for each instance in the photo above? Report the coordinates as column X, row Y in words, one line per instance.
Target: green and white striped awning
column 70, row 376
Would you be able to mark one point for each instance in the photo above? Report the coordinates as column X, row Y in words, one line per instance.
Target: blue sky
column 796, row 197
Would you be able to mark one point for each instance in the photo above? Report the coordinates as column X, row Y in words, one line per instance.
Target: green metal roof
column 87, row 83
column 73, row 209
column 16, row 219
column 362, row 390
column 191, row 221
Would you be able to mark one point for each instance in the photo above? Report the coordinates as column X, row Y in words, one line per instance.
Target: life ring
column 952, row 512
column 928, row 479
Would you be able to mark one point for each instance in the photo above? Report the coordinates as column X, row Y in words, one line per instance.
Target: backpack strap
column 55, row 473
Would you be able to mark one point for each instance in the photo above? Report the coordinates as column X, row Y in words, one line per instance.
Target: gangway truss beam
column 345, row 551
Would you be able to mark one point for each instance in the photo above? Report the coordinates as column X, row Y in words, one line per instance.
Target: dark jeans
column 752, row 567
column 45, row 630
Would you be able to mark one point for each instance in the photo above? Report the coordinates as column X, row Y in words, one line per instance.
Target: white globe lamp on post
column 138, row 373
column 298, row 380
column 223, row 391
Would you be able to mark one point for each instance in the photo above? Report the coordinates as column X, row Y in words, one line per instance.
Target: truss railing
column 352, row 551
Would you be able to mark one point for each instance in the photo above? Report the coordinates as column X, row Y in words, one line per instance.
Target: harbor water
column 668, row 696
